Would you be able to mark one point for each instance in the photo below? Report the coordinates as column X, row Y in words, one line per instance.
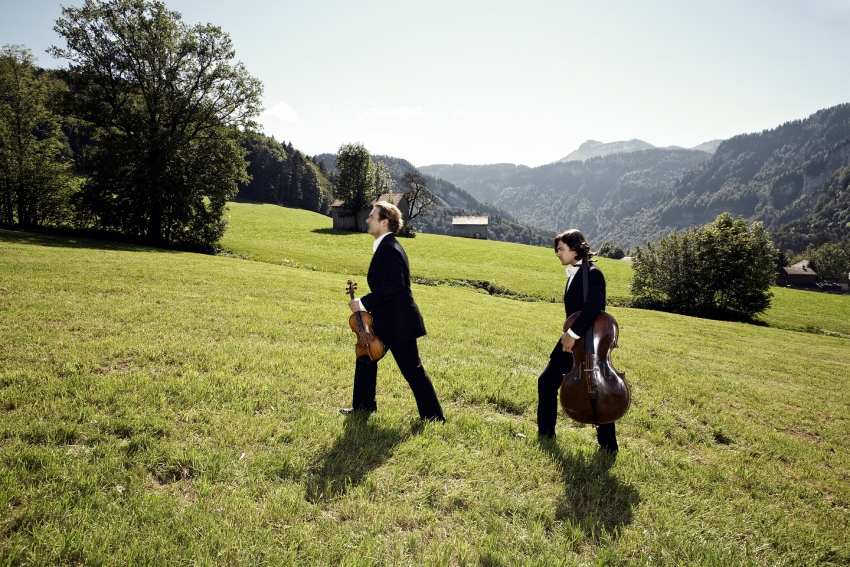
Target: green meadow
column 168, row 408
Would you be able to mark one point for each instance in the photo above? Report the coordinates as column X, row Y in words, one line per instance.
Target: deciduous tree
column 168, row 109
column 830, row 261
column 34, row 179
column 419, row 198
column 724, row 269
column 358, row 179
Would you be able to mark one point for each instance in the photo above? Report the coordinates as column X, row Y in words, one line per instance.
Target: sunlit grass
column 299, row 238
column 170, row 408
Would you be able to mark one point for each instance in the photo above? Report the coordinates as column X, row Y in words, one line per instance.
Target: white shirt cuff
column 360, row 303
column 572, row 334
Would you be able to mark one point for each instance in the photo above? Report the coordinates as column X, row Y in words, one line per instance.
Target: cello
column 593, row 391
column 368, row 344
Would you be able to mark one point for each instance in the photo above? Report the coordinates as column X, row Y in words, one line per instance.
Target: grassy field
column 288, row 237
column 178, row 409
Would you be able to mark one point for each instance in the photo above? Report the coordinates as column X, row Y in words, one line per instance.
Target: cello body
column 594, row 391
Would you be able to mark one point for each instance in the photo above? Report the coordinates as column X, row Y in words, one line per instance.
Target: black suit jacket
column 574, row 299
column 395, row 316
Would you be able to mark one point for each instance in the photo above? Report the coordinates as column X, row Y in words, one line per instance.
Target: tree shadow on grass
column 93, row 240
column 362, row 447
column 594, row 499
column 336, row 231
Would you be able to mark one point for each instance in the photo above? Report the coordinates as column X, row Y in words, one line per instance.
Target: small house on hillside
column 470, row 227
column 800, row 275
column 357, row 222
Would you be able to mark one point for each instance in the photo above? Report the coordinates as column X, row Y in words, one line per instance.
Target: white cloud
column 284, row 112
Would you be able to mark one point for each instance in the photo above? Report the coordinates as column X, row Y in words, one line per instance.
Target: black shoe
column 349, row 411
column 611, row 450
column 434, row 419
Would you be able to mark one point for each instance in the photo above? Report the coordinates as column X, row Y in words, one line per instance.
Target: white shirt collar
column 377, row 242
column 571, row 270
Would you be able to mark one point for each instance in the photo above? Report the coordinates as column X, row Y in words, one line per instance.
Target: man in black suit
column 572, row 249
column 396, row 319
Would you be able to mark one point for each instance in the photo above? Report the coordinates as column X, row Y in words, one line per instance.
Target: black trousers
column 406, row 355
column 548, row 384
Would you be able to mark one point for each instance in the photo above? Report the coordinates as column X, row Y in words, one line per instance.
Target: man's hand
column 354, row 305
column 567, row 342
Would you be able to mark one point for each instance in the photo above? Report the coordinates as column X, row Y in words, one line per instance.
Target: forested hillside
column 829, row 221
column 485, row 182
column 282, row 175
column 776, row 176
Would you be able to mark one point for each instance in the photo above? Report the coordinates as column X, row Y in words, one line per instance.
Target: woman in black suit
column 396, row 319
column 572, row 249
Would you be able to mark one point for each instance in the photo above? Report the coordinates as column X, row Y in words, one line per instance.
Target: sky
column 523, row 82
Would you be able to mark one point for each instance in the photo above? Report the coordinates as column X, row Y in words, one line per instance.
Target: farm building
column 798, row 275
column 470, row 227
column 357, row 222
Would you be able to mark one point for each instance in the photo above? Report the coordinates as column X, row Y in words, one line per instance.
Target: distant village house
column 799, row 275
column 470, row 227
column 357, row 222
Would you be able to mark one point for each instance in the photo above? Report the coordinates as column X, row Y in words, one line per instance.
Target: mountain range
column 628, row 193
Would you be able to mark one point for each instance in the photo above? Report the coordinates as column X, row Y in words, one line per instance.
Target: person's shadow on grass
column 362, row 447
column 594, row 499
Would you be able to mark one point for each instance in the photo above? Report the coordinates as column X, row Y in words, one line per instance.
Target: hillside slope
column 192, row 401
column 775, row 176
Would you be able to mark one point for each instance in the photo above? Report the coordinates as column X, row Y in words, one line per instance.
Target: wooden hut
column 799, row 275
column 470, row 227
column 357, row 222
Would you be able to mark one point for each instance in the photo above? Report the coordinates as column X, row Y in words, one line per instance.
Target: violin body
column 594, row 391
column 368, row 344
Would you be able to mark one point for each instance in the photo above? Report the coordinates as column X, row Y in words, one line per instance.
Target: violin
column 593, row 391
column 368, row 343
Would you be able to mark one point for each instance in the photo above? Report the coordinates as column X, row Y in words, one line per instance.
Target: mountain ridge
column 776, row 176
column 593, row 148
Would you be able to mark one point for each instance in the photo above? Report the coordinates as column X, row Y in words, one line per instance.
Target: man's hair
column 576, row 241
column 391, row 213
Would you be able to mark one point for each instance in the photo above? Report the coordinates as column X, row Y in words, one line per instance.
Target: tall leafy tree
column 359, row 181
column 724, row 269
column 34, row 180
column 830, row 261
column 168, row 110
